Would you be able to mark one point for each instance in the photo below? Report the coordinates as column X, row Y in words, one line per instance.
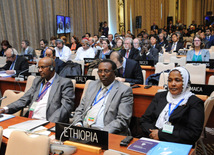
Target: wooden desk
column 10, row 83
column 114, row 140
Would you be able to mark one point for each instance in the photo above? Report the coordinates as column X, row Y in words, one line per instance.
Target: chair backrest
column 85, row 88
column 38, row 53
column 159, row 67
column 29, row 82
column 33, row 69
column 212, row 48
column 11, row 97
column 144, row 76
column 181, row 61
column 197, row 73
column 20, row 143
column 211, row 80
column 74, row 84
column 82, row 64
column 126, row 83
column 2, row 61
column 94, row 73
column 73, row 56
column 208, row 106
column 212, row 55
column 1, row 132
column 163, row 79
column 167, row 56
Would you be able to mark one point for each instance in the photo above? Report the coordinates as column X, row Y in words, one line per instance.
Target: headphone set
column 13, row 53
column 52, row 68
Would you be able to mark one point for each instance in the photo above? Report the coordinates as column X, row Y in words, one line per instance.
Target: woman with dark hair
column 5, row 45
column 176, row 115
column 75, row 44
column 198, row 53
column 106, row 50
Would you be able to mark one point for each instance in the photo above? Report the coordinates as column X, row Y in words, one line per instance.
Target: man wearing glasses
column 107, row 104
column 15, row 63
column 50, row 97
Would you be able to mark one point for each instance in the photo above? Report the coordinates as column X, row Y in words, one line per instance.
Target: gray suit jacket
column 204, row 53
column 118, row 108
column 30, row 51
column 60, row 100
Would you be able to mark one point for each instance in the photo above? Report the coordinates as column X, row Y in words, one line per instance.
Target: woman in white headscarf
column 176, row 115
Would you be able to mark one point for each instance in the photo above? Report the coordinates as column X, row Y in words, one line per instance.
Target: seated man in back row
column 15, row 64
column 128, row 70
column 107, row 104
column 49, row 98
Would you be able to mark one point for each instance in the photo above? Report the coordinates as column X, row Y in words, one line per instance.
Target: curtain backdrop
column 36, row 19
column 150, row 10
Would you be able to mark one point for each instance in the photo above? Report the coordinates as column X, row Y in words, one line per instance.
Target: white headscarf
column 175, row 99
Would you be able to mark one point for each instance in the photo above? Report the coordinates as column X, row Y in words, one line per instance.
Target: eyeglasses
column 197, row 40
column 42, row 67
column 106, row 71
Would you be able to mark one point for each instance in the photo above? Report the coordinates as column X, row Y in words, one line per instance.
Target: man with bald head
column 49, row 98
column 15, row 63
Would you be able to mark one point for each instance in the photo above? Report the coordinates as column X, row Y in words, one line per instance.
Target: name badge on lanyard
column 168, row 127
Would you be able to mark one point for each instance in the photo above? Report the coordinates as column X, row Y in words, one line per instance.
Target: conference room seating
column 1, row 132
column 2, row 61
column 159, row 67
column 74, row 84
column 94, row 73
column 144, row 76
column 82, row 63
column 211, row 80
column 211, row 54
column 208, row 106
column 180, row 61
column 85, row 88
column 11, row 97
column 197, row 72
column 167, row 56
column 38, row 53
column 19, row 143
column 163, row 80
column 29, row 82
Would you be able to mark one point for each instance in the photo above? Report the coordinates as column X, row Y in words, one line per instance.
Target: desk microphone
column 18, row 78
column 66, row 149
column 4, row 97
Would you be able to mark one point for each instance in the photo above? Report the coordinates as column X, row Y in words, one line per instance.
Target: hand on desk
column 2, row 111
column 10, row 72
column 154, row 134
column 120, row 79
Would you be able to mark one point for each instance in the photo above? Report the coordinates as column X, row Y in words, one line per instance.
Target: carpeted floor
column 208, row 141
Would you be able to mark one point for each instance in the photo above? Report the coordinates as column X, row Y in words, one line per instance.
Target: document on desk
column 143, row 145
column 5, row 117
column 28, row 125
column 4, row 74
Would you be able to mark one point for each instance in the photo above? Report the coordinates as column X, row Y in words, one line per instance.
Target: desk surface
column 114, row 140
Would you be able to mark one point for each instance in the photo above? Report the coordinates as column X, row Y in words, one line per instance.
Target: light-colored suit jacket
column 204, row 54
column 118, row 108
column 60, row 100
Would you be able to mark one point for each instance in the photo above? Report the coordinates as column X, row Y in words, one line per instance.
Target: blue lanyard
column 61, row 53
column 196, row 56
column 169, row 113
column 42, row 92
column 95, row 101
column 11, row 67
column 102, row 56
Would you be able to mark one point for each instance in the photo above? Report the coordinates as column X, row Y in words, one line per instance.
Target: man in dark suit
column 148, row 53
column 129, row 51
column 15, row 63
column 153, row 41
column 107, row 104
column 175, row 45
column 154, row 27
column 59, row 64
column 44, row 46
column 49, row 98
column 128, row 70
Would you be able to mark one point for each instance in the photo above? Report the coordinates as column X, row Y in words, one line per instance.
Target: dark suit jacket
column 59, row 65
column 133, row 53
column 20, row 65
column 188, row 120
column 118, row 108
column 153, row 27
column 60, row 100
column 180, row 45
column 153, row 55
column 158, row 47
column 133, row 72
